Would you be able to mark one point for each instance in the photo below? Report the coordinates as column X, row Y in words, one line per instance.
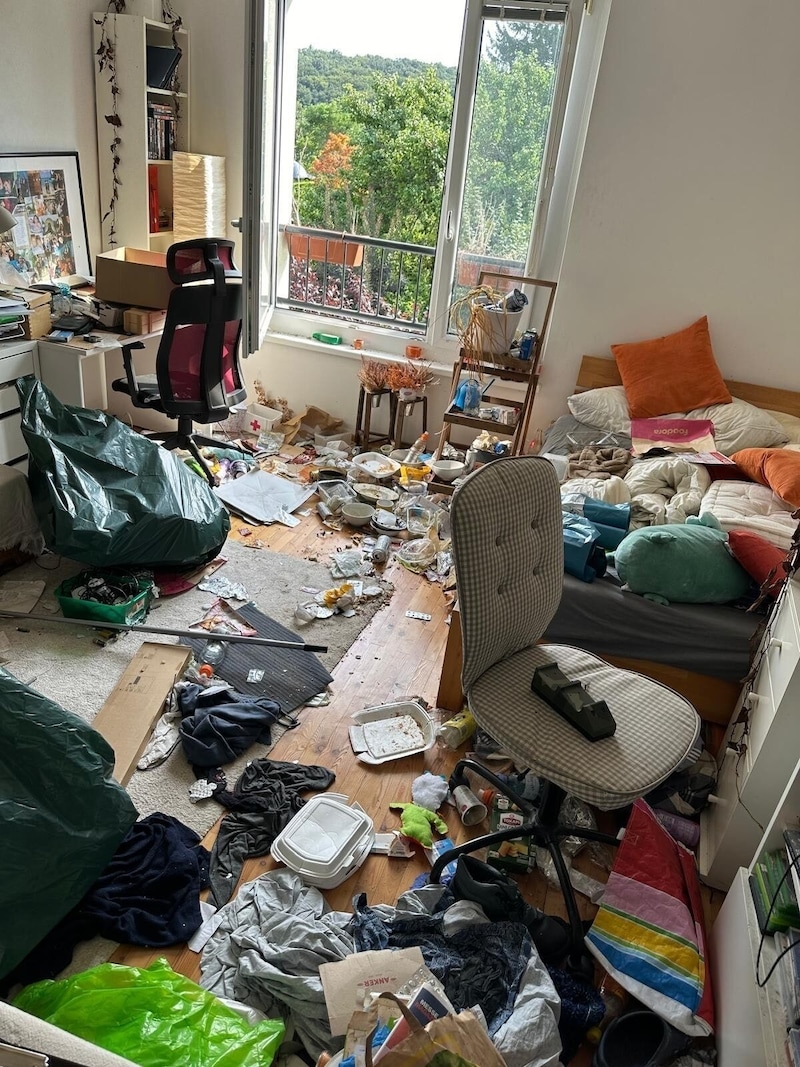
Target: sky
column 428, row 30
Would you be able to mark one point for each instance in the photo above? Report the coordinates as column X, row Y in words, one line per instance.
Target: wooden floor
column 394, row 656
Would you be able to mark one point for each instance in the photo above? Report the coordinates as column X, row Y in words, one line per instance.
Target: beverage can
column 457, row 730
column 381, row 550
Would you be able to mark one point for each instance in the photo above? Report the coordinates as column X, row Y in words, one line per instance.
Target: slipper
column 639, row 1039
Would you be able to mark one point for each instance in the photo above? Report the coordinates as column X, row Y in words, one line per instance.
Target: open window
column 392, row 159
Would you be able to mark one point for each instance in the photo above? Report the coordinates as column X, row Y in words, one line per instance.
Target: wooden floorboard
column 394, row 656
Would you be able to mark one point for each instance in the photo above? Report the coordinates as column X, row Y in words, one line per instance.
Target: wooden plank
column 127, row 718
column 599, row 372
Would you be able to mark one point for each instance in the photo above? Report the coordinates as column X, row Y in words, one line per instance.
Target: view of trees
column 373, row 133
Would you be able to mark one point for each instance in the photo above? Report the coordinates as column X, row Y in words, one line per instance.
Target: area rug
column 63, row 662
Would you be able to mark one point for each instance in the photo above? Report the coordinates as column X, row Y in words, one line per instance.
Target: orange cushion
column 759, row 558
column 673, row 373
column 779, row 468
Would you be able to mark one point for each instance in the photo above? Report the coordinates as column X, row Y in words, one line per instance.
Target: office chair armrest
column 135, row 390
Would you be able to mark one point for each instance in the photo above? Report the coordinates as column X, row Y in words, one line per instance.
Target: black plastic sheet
column 108, row 496
column 62, row 815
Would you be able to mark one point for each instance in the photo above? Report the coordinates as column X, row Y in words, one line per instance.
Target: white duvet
column 753, row 507
column 665, row 489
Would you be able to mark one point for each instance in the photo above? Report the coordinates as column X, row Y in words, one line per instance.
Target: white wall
column 687, row 202
column 685, row 205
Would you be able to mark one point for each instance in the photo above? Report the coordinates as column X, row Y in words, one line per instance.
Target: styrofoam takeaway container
column 326, row 841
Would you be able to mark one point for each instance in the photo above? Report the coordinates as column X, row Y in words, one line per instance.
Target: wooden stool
column 404, row 408
column 363, row 436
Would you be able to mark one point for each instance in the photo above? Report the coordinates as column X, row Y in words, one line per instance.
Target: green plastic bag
column 153, row 1016
column 108, row 496
column 62, row 816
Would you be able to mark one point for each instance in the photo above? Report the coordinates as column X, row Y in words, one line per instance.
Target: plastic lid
column 321, row 837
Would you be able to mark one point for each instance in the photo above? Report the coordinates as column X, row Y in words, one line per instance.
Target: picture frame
column 43, row 192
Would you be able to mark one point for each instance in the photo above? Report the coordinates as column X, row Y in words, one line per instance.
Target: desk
column 80, row 373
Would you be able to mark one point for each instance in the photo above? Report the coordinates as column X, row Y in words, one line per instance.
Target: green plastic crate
column 131, row 611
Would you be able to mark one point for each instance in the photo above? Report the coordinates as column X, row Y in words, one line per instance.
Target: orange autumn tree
column 330, row 169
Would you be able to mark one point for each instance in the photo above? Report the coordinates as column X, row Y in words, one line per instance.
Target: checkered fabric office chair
column 508, row 552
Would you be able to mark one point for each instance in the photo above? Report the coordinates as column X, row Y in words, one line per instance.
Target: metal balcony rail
column 363, row 279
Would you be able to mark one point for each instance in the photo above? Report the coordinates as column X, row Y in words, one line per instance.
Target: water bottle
column 416, row 449
column 214, row 652
column 62, row 301
column 615, row 999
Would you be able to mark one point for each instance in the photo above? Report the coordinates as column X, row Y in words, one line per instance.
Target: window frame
column 264, row 252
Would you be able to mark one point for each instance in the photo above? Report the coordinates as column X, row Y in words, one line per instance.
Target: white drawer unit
column 751, row 783
column 17, row 360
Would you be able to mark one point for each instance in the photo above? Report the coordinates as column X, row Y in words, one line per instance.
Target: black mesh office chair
column 198, row 378
column 508, row 553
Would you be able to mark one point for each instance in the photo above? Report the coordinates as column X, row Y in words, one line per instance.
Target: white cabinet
column 141, row 111
column 17, row 359
column 75, row 372
column 750, row 784
column 750, row 1020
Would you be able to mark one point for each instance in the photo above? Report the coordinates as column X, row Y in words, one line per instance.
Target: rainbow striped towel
column 649, row 933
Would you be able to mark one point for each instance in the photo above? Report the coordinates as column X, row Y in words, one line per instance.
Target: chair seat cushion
column 656, row 727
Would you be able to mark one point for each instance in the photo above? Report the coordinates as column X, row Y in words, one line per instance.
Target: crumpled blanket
column 666, row 489
column 273, row 937
column 482, row 965
column 599, row 462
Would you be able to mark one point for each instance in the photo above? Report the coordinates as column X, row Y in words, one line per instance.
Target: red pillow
column 758, row 557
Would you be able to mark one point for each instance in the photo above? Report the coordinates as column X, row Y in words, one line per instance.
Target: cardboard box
column 518, row 853
column 134, row 277
column 127, row 718
column 108, row 315
column 143, row 320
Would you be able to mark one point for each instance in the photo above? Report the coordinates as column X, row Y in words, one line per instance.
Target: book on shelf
column 773, row 892
column 791, row 839
column 787, row 946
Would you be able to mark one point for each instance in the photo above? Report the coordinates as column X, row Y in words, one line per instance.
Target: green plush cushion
column 687, row 564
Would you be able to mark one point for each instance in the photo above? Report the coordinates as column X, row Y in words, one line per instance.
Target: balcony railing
column 363, row 279
column 366, row 279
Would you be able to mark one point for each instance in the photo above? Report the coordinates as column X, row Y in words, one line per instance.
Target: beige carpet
column 63, row 663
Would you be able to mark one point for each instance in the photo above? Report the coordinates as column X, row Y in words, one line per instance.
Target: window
column 399, row 156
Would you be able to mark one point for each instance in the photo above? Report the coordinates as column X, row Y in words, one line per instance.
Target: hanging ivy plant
column 107, row 62
column 175, row 22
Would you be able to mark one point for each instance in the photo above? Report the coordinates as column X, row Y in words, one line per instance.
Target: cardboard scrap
column 312, row 419
column 127, row 718
column 345, row 983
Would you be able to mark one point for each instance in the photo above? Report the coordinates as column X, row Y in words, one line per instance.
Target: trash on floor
column 390, row 731
column 326, row 841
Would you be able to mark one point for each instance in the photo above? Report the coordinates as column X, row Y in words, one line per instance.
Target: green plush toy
column 687, row 564
column 416, row 822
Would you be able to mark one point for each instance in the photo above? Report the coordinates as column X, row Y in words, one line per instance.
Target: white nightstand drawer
column 16, row 366
column 783, row 651
column 12, row 443
column 9, row 399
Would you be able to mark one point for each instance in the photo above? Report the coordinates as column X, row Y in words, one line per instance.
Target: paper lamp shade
column 198, row 196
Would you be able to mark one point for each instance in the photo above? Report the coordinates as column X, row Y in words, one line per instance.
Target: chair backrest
column 508, row 552
column 197, row 366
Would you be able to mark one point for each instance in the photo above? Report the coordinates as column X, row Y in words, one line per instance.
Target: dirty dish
column 447, row 469
column 376, row 465
column 326, row 841
column 357, row 514
column 379, row 495
column 391, row 731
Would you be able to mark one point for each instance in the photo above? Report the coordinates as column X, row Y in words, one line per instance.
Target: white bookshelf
column 133, row 34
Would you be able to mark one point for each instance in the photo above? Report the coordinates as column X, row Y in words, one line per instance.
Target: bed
column 701, row 650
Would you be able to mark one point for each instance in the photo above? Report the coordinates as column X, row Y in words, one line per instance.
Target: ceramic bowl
column 447, row 470
column 357, row 514
column 379, row 495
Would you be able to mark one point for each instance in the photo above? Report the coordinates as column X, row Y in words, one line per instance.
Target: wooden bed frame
column 714, row 698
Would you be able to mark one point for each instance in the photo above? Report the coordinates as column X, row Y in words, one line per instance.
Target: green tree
column 510, row 40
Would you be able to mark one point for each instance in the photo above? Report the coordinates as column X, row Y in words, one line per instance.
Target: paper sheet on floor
column 264, row 498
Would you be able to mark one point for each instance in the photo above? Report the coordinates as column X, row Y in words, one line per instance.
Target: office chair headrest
column 201, row 259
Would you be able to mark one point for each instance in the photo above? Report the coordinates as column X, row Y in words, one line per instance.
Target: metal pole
column 208, row 635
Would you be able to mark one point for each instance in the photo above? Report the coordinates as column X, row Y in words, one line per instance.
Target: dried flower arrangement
column 412, row 374
column 474, row 325
column 373, row 374
column 267, row 400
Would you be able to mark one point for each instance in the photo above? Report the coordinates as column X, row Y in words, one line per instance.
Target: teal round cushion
column 687, row 564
